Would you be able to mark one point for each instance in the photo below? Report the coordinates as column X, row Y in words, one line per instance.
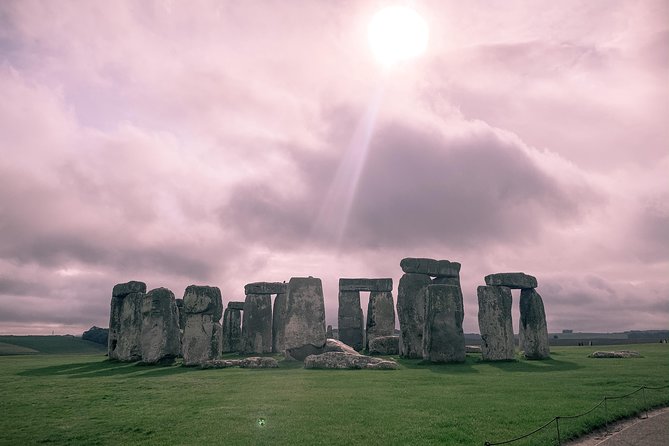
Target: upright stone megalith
column 495, row 323
column 303, row 319
column 411, row 313
column 278, row 323
column 180, row 313
column 257, row 324
column 125, row 321
column 349, row 320
column 533, row 329
column 232, row 329
column 161, row 338
column 202, row 338
column 443, row 338
column 380, row 315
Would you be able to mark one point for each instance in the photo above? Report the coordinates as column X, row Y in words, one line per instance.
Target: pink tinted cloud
column 196, row 144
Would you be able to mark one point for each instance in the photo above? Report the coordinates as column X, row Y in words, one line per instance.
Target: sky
column 225, row 142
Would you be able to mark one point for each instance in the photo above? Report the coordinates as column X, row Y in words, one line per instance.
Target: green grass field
column 48, row 345
column 86, row 400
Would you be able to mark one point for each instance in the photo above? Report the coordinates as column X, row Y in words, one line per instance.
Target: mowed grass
column 52, row 345
column 87, row 400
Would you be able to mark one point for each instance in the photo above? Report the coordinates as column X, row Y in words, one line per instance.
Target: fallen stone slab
column 331, row 345
column 257, row 362
column 265, row 288
column 220, row 363
column 431, row 267
column 616, row 354
column 511, row 280
column 384, row 345
column 339, row 360
column 365, row 284
column 123, row 289
column 236, row 305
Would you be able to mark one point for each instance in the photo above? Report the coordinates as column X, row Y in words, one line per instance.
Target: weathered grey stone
column 257, row 362
column 220, row 363
column 349, row 319
column 380, row 315
column 495, row 324
column 411, row 313
column 339, row 360
column 232, row 330
column 533, row 329
column 384, row 345
column 446, row 281
column 203, row 334
column 181, row 313
column 365, row 284
column 236, row 305
column 203, row 299
column 160, row 339
column 257, row 324
column 125, row 326
column 431, row 267
column 615, row 354
column 328, row 332
column 331, row 345
column 511, row 280
column 123, row 289
column 278, row 323
column 265, row 288
column 443, row 338
column 302, row 322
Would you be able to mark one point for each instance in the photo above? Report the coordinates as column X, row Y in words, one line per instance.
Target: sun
column 397, row 33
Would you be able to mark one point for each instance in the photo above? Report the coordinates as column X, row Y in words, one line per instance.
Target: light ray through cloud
column 330, row 226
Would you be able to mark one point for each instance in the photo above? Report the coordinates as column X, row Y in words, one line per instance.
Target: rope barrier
column 557, row 419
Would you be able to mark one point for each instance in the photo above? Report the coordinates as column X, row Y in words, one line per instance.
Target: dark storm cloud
column 418, row 187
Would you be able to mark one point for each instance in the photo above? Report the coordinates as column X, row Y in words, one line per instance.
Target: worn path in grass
column 651, row 431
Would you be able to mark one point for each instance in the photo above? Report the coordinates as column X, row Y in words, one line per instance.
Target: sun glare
column 397, row 33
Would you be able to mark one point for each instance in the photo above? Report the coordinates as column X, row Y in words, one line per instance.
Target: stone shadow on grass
column 445, row 368
column 534, row 366
column 104, row 368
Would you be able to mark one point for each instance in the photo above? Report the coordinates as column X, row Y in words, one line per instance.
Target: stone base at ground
column 339, row 360
column 384, row 345
column 246, row 363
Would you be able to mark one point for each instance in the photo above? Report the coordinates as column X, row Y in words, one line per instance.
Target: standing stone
column 232, row 330
column 328, row 332
column 257, row 324
column 202, row 338
column 125, row 321
column 302, row 322
column 380, row 316
column 444, row 339
column 495, row 323
column 278, row 323
column 161, row 338
column 533, row 329
column 349, row 319
column 411, row 313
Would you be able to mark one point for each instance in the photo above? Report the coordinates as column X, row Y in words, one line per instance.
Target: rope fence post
column 557, row 427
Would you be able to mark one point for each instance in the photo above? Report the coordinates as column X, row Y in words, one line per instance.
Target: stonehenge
column 495, row 322
column 202, row 339
column 155, row 327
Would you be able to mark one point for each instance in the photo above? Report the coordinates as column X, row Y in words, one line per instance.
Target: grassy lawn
column 84, row 399
column 52, row 345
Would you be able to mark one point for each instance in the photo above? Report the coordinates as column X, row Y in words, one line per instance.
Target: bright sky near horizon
column 201, row 143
